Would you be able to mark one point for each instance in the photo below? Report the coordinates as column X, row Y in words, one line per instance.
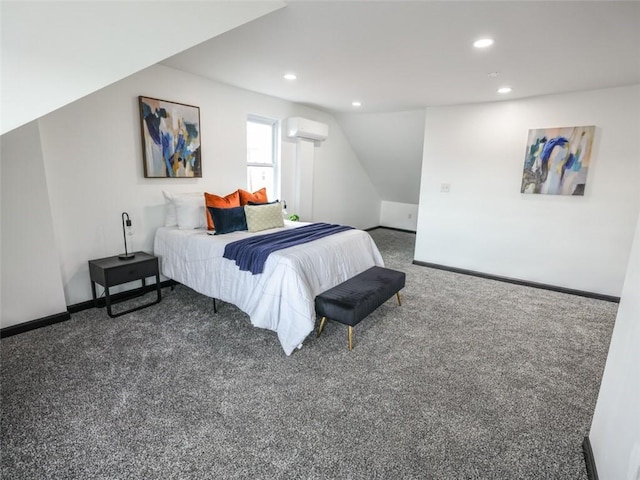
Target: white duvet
column 282, row 297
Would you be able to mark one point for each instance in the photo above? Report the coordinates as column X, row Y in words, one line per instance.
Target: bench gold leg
column 398, row 295
column 322, row 322
column 350, row 337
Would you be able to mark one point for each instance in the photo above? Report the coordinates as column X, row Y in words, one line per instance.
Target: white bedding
column 282, row 297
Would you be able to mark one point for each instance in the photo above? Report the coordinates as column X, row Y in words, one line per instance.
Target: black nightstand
column 112, row 271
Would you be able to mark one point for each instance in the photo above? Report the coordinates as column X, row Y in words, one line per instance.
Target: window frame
column 275, row 151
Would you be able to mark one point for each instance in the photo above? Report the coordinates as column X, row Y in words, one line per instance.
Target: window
column 262, row 155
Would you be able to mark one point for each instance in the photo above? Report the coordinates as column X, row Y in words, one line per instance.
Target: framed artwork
column 556, row 161
column 170, row 139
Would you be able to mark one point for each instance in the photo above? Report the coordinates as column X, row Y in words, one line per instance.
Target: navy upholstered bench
column 357, row 297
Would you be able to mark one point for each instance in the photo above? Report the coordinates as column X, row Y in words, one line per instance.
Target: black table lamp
column 126, row 229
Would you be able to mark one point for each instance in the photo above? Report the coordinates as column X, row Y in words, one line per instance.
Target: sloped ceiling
column 397, row 57
column 390, row 145
column 55, row 52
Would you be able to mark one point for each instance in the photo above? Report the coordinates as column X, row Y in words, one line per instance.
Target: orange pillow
column 211, row 200
column 256, row 197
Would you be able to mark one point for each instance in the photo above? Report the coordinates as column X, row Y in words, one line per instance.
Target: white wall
column 615, row 430
column 485, row 224
column 54, row 52
column 93, row 161
column 399, row 215
column 31, row 285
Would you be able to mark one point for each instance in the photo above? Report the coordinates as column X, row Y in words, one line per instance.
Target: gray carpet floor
column 469, row 378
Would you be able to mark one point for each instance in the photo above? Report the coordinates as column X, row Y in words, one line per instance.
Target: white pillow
column 190, row 212
column 170, row 214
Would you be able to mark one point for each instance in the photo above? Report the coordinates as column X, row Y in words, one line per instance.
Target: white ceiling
column 395, row 56
column 404, row 55
column 55, row 52
column 399, row 57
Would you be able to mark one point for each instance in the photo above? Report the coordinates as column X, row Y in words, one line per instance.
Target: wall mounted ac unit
column 298, row 127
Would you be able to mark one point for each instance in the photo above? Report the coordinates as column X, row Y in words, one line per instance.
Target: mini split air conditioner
column 298, row 127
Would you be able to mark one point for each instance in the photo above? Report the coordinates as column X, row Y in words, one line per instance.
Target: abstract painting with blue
column 170, row 139
column 557, row 160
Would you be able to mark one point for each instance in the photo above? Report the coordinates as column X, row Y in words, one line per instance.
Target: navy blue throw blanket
column 251, row 254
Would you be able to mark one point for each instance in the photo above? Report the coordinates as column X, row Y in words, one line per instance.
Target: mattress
column 281, row 298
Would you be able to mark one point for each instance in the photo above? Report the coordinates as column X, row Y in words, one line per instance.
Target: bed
column 281, row 298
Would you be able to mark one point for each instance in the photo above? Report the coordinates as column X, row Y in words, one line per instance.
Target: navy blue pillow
column 227, row 220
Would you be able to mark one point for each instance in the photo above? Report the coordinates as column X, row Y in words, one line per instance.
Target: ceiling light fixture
column 290, row 76
column 483, row 43
column 356, row 104
column 504, row 90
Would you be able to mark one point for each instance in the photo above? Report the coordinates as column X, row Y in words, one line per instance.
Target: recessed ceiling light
column 290, row 76
column 356, row 104
column 483, row 43
column 504, row 90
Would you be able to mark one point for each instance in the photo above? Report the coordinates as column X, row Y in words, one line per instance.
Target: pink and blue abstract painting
column 170, row 139
column 557, row 160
